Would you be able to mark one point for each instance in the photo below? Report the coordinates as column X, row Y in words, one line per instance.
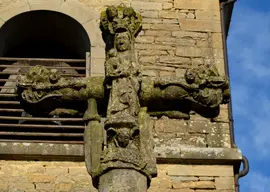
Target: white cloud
column 256, row 182
column 249, row 55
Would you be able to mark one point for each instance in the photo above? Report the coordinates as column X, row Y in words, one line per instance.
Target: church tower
column 195, row 149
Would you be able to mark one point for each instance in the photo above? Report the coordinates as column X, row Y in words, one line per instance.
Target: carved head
column 39, row 74
column 122, row 41
column 120, row 19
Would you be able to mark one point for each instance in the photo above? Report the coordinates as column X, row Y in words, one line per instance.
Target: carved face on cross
column 122, row 41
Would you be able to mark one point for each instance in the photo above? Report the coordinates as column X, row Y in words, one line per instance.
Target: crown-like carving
column 120, row 19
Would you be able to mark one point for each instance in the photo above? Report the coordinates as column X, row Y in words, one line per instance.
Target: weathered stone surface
column 171, row 126
column 189, row 34
column 46, row 187
column 175, row 41
column 165, row 26
column 123, row 180
column 63, row 187
column 13, row 9
column 157, row 33
column 139, row 5
column 224, row 183
column 168, row 14
column 152, row 52
column 174, row 60
column 200, row 25
column 45, row 4
column 151, row 14
column 145, row 39
column 194, row 185
column 208, row 15
column 216, row 40
column 191, row 52
column 198, row 170
column 197, row 4
column 40, row 178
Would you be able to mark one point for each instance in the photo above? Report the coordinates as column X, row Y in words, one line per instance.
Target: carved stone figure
column 119, row 156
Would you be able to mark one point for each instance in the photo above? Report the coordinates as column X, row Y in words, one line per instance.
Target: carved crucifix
column 119, row 154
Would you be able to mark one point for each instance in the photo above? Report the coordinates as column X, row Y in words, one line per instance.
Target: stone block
column 197, row 4
column 152, row 52
column 3, row 187
column 82, row 181
column 166, row 73
column 36, row 169
column 97, row 67
column 192, row 51
column 56, row 171
column 169, row 14
column 223, row 114
column 145, row 39
column 152, row 20
column 219, row 63
column 157, row 33
column 77, row 171
column 171, row 126
column 148, row 59
column 195, row 139
column 63, row 187
column 224, row 183
column 203, row 43
column 149, row 73
column 14, row 9
column 206, row 178
column 53, row 5
column 197, row 61
column 175, row 41
column 151, row 14
column 78, row 11
column 200, row 170
column 171, row 21
column 181, row 179
column 45, row 187
column 208, row 15
column 40, row 178
column 165, row 26
column 98, row 52
column 216, row 40
column 199, row 127
column 21, row 187
column 166, row 6
column 174, row 60
column 84, row 189
column 140, row 5
column 180, row 72
column 189, row 34
column 218, row 53
column 194, row 185
column 153, row 47
column 200, row 25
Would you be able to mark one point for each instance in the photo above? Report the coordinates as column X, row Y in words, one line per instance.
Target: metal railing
column 18, row 126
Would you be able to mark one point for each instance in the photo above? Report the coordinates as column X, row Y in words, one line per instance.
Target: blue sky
column 249, row 62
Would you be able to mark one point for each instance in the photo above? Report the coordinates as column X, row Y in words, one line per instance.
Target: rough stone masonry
column 176, row 35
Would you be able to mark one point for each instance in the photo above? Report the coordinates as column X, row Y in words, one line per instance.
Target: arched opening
column 43, row 34
column 39, row 34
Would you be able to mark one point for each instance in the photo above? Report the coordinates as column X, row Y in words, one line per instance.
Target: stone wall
column 23, row 176
column 176, row 35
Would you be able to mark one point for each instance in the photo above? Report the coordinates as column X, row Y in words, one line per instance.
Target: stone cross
column 119, row 154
